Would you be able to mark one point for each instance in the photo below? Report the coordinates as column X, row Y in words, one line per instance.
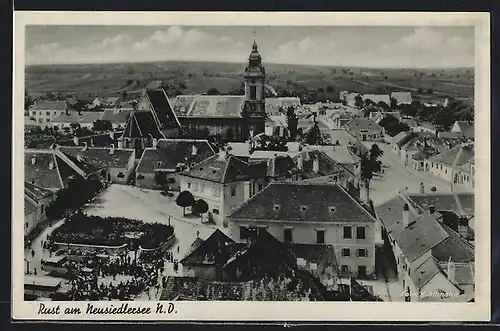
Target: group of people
column 282, row 288
column 206, row 290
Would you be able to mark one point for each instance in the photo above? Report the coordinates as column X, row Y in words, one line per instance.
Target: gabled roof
column 421, row 235
column 402, row 97
column 284, row 202
column 209, row 105
column 340, row 154
column 101, row 157
column 455, row 157
column 116, row 115
column 327, row 166
column 425, row 272
column 96, row 140
column 35, row 192
column 40, row 173
column 397, row 139
column 49, row 105
column 162, row 109
column 204, row 252
column 342, row 136
column 141, row 124
column 467, row 128
column 454, row 247
column 459, row 203
column 171, row 152
column 377, row 98
column 228, row 169
column 78, row 117
column 363, row 123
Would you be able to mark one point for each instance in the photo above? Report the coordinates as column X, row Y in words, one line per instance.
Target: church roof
column 208, row 105
column 162, row 109
column 141, row 124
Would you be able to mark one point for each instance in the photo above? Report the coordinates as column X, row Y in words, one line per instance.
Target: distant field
column 90, row 80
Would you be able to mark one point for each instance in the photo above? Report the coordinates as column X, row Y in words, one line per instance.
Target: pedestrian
column 32, row 253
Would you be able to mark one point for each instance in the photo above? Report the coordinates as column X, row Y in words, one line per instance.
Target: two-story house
column 364, row 129
column 453, row 166
column 36, row 199
column 43, row 112
column 314, row 214
column 224, row 181
column 169, row 157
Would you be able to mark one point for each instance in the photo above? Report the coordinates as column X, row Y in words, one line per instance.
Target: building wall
column 206, row 190
column 369, row 134
column 203, row 272
column 31, row 220
column 441, row 170
column 455, row 128
column 45, row 117
column 305, row 233
column 215, row 126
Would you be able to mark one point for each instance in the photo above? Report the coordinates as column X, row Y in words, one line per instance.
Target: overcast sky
column 409, row 47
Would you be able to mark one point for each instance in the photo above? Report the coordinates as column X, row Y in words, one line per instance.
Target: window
column 361, row 271
column 347, row 232
column 55, row 113
column 171, row 180
column 253, row 92
column 189, row 185
column 215, row 211
column 441, row 167
column 40, row 113
column 409, row 272
column 432, row 165
column 360, row 232
column 260, row 187
column 33, row 113
column 445, row 171
column 346, row 252
column 362, row 252
column 276, row 207
column 202, row 187
column 345, row 268
column 26, row 225
column 233, row 191
column 303, row 208
column 120, row 175
column 288, row 235
column 216, row 192
column 320, row 236
column 47, row 113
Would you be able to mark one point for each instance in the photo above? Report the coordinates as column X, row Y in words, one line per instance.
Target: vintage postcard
column 251, row 166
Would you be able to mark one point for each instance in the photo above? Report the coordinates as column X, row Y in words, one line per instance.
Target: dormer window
column 158, row 164
column 332, row 209
column 303, row 208
column 276, row 207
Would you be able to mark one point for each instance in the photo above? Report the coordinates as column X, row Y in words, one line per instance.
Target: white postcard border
column 277, row 311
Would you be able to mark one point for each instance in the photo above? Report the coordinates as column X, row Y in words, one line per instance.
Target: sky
column 376, row 47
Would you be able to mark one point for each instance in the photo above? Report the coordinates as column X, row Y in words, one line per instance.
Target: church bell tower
column 254, row 110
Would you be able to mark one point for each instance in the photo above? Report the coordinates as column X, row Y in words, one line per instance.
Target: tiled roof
column 96, row 140
column 217, row 243
column 40, row 173
column 112, row 100
column 390, row 212
column 227, row 169
column 116, row 115
column 239, row 149
column 342, row 136
column 457, row 156
column 327, row 166
column 162, row 109
column 377, row 98
column 35, row 192
column 273, row 104
column 459, row 203
column 466, row 128
column 78, row 117
column 402, row 97
column 101, row 157
column 209, row 105
column 363, row 123
column 446, row 134
column 29, row 206
column 338, row 154
column 422, row 234
column 464, row 274
column 399, row 137
column 284, row 202
column 171, row 152
column 425, row 272
column 49, row 105
column 454, row 247
column 423, row 154
column 141, row 124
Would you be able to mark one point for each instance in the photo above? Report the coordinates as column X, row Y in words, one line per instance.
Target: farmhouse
column 43, row 112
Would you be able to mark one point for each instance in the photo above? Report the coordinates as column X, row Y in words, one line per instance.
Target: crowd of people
column 201, row 290
column 280, row 288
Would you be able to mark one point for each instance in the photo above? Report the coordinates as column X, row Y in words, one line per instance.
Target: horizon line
column 242, row 63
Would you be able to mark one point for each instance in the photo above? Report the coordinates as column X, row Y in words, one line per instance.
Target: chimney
column 422, row 188
column 76, row 140
column 112, row 134
column 155, row 142
column 300, row 162
column 33, row 160
column 112, row 150
column 84, row 146
column 222, row 154
column 51, row 165
column 246, row 191
column 316, row 164
column 406, row 215
column 364, row 192
column 451, row 270
column 195, row 150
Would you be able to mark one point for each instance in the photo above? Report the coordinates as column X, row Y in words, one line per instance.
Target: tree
column 292, row 122
column 383, row 105
column 184, row 199
column 330, row 89
column 200, row 207
column 376, row 152
column 213, row 91
column 419, row 90
column 28, row 101
column 358, row 101
column 394, row 103
column 160, row 178
column 102, row 125
column 75, row 125
column 124, row 95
